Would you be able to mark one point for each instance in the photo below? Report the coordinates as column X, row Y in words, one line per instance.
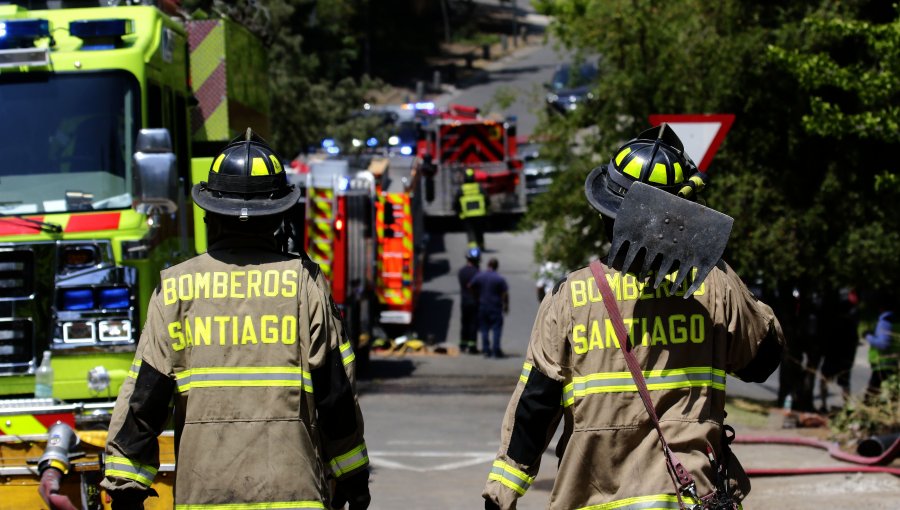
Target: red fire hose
column 862, row 464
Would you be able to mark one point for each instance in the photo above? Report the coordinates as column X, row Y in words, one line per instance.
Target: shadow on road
column 434, row 311
column 380, row 368
column 436, row 268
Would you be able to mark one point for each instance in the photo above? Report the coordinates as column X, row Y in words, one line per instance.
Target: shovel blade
column 685, row 234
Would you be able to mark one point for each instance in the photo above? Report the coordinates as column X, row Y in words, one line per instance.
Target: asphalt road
column 521, row 74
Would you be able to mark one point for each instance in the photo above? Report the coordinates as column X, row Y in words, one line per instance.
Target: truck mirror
column 155, row 176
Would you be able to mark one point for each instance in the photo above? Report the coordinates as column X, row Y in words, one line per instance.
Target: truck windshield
column 66, row 141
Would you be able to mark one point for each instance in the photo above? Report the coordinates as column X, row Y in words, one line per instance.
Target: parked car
column 571, row 86
column 538, row 172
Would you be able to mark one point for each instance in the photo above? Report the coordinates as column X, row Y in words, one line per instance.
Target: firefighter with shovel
column 631, row 352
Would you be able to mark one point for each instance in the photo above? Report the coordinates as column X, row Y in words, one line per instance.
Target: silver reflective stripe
column 619, row 382
column 568, row 397
column 123, row 468
column 280, row 505
column 349, row 461
column 526, row 371
column 347, row 354
column 510, row 477
column 135, row 368
column 221, row 377
column 627, row 383
column 661, row 501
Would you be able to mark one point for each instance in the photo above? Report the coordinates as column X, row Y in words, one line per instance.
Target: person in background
column 842, row 323
column 884, row 346
column 471, row 206
column 493, row 304
column 468, row 331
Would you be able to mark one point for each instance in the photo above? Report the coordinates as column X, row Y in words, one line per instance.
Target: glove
column 49, row 490
column 130, row 499
column 490, row 505
column 353, row 490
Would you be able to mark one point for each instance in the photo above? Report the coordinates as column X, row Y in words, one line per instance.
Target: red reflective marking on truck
column 90, row 222
column 12, row 226
column 48, row 420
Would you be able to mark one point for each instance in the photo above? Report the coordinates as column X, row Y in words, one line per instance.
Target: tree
column 798, row 171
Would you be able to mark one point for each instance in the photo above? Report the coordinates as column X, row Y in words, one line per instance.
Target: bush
column 876, row 414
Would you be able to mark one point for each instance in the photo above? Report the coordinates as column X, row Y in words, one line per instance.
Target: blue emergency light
column 372, row 142
column 21, row 33
column 77, row 299
column 101, row 34
column 114, row 298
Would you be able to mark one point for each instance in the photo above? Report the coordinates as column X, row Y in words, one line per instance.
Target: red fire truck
column 362, row 223
column 400, row 230
column 459, row 138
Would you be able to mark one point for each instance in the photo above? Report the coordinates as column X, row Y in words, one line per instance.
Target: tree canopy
column 808, row 169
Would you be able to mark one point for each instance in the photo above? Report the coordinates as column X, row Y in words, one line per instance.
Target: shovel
column 664, row 232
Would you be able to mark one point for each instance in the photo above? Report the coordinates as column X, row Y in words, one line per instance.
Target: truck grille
column 16, row 346
column 16, row 273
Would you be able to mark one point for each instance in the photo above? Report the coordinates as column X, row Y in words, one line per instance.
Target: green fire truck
column 109, row 115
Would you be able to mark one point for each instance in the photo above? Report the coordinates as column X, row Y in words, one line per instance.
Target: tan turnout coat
column 249, row 345
column 610, row 456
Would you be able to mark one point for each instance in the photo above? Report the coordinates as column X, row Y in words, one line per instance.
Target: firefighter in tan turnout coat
column 251, row 346
column 610, row 454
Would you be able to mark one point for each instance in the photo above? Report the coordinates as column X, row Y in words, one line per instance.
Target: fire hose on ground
column 884, row 450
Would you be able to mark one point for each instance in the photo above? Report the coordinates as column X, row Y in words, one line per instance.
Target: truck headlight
column 79, row 332
column 114, row 330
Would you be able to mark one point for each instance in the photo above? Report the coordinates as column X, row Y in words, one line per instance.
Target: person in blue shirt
column 493, row 303
column 884, row 347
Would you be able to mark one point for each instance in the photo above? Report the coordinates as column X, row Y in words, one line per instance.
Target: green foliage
column 502, row 99
column 808, row 170
column 875, row 415
column 869, row 81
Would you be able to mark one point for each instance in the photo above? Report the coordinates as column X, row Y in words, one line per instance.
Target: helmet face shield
column 246, row 179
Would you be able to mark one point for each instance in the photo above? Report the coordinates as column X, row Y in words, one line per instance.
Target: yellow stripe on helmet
column 633, row 168
column 276, row 163
column 218, row 162
column 259, row 167
column 659, row 175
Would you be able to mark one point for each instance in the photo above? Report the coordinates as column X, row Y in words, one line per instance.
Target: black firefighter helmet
column 656, row 157
column 246, row 180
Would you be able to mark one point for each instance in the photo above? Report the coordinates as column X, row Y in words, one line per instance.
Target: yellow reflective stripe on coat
column 526, row 371
column 347, row 354
column 279, row 505
column 643, row 503
column 349, row 461
column 124, row 468
column 230, row 377
column 135, row 368
column 511, row 477
column 620, row 382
